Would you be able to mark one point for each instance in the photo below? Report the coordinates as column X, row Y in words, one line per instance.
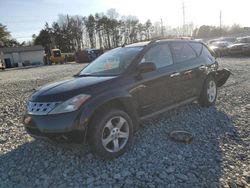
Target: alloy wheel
column 115, row 134
column 211, row 91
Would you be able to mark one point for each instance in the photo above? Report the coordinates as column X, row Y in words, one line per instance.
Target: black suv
column 104, row 103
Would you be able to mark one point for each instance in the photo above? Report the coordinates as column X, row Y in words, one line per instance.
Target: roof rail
column 160, row 38
column 165, row 38
column 156, row 39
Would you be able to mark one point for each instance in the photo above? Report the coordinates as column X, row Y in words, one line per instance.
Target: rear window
column 197, row 47
column 182, row 52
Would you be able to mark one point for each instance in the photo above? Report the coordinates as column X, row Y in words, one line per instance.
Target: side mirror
column 146, row 67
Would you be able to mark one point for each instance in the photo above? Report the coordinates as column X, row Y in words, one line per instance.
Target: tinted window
column 160, row 55
column 197, row 47
column 182, row 52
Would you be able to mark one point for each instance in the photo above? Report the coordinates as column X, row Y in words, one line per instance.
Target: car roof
column 145, row 43
column 138, row 44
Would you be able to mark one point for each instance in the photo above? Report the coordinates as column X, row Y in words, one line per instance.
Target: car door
column 188, row 66
column 157, row 89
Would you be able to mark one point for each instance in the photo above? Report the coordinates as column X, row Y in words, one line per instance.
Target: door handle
column 174, row 74
column 202, row 67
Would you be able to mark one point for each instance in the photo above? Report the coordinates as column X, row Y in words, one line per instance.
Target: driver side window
column 160, row 55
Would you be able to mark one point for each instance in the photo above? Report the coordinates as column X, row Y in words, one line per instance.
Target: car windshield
column 111, row 63
column 57, row 53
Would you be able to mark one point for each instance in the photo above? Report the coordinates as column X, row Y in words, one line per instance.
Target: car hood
column 63, row 90
column 237, row 45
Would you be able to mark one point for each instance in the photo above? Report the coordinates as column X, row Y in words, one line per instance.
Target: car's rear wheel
column 209, row 92
column 110, row 133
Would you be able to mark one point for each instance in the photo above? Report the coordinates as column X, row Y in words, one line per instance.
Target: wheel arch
column 122, row 103
column 125, row 103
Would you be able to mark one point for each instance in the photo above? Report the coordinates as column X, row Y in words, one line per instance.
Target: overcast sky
column 26, row 17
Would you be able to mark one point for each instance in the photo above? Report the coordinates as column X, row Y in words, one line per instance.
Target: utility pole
column 220, row 23
column 183, row 14
column 162, row 33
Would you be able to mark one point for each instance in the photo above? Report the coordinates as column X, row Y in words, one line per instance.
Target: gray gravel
column 218, row 156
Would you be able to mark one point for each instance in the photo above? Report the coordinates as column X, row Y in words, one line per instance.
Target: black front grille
column 40, row 108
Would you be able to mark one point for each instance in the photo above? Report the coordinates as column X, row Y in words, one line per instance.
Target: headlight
column 70, row 105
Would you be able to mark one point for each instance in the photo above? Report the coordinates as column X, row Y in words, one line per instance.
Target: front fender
column 92, row 106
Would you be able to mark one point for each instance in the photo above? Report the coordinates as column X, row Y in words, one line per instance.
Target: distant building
column 22, row 56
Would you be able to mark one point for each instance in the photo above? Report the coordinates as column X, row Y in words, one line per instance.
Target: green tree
column 45, row 38
column 236, row 28
column 90, row 26
column 204, row 31
column 4, row 35
column 148, row 28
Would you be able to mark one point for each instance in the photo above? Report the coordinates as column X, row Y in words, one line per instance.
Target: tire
column 107, row 138
column 209, row 92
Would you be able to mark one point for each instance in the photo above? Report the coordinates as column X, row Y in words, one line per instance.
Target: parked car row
column 88, row 55
column 230, row 46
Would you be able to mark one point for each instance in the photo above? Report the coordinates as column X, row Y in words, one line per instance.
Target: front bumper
column 64, row 128
column 222, row 76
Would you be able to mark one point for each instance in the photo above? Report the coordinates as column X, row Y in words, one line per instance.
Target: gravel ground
column 218, row 156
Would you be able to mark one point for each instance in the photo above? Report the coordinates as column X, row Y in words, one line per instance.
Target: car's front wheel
column 209, row 92
column 110, row 133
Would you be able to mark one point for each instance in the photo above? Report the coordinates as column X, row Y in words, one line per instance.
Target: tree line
column 206, row 31
column 72, row 33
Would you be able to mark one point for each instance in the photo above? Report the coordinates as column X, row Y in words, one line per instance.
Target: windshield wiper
column 97, row 75
column 84, row 75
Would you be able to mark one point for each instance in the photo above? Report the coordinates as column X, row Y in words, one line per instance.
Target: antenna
column 183, row 14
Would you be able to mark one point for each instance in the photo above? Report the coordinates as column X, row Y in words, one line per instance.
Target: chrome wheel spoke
column 116, row 145
column 123, row 135
column 107, row 140
column 109, row 125
column 120, row 123
column 211, row 97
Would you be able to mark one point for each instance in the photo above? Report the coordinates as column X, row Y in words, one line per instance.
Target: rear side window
column 197, row 47
column 206, row 53
column 182, row 52
column 160, row 55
